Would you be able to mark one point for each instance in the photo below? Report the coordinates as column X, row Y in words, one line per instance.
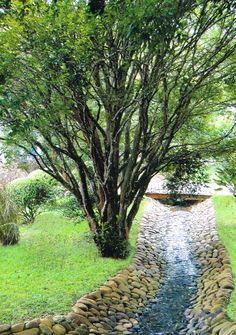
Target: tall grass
column 8, row 210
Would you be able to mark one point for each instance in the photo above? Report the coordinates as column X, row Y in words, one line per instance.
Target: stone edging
column 207, row 315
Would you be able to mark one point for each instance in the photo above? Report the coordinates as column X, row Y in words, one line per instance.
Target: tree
column 116, row 93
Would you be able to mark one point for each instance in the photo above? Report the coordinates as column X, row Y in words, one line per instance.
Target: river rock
column 17, row 327
column 58, row 329
column 4, row 328
column 31, row 331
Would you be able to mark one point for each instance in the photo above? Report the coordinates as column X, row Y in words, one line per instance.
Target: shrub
column 70, row 208
column 9, row 233
column 29, row 194
column 39, row 174
column 8, row 210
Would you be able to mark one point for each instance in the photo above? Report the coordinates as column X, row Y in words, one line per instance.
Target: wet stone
column 45, row 329
column 32, row 324
column 58, row 330
column 4, row 328
column 31, row 331
column 17, row 327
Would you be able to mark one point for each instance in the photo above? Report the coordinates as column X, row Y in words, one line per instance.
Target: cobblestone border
column 207, row 314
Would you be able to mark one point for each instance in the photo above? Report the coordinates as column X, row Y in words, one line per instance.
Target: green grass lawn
column 55, row 263
column 225, row 207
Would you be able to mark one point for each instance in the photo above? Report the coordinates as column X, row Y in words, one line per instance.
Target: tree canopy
column 105, row 95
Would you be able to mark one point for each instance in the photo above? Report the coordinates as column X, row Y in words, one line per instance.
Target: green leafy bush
column 70, row 208
column 39, row 174
column 9, row 233
column 29, row 194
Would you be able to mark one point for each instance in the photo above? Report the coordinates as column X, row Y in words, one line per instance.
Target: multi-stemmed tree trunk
column 105, row 96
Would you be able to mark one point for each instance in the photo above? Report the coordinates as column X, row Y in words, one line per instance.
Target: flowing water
column 165, row 314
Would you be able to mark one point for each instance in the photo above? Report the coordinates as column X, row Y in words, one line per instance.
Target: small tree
column 114, row 90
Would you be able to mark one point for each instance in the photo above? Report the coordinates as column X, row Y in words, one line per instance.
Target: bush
column 39, row 174
column 29, row 194
column 57, row 191
column 9, row 234
column 70, row 208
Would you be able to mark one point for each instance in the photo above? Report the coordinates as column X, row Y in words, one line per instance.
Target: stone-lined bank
column 198, row 232
column 114, row 308
column 207, row 315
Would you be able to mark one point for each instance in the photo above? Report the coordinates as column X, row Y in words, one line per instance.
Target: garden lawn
column 225, row 207
column 55, row 263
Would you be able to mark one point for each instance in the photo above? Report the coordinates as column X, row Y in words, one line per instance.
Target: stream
column 165, row 313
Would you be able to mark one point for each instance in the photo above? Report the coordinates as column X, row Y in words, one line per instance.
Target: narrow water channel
column 165, row 314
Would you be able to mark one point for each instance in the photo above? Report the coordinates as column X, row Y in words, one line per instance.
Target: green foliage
column 70, row 208
column 29, row 194
column 43, row 177
column 9, row 234
column 16, row 156
column 8, row 209
column 226, row 172
column 188, row 174
column 111, row 243
column 225, row 207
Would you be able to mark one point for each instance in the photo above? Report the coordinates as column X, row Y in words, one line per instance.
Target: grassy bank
column 55, row 263
column 225, row 207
